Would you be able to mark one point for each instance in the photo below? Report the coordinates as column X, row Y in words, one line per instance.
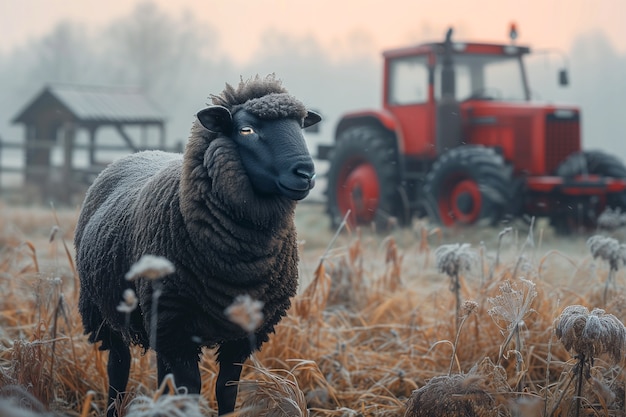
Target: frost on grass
column 176, row 405
column 455, row 259
column 591, row 334
column 245, row 312
column 455, row 395
column 513, row 304
column 608, row 249
column 272, row 394
column 150, row 267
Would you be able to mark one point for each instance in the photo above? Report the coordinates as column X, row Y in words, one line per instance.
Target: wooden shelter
column 55, row 116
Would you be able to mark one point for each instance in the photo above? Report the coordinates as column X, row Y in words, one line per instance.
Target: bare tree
column 63, row 55
column 153, row 49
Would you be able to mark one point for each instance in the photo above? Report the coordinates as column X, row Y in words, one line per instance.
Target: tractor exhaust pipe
column 448, row 108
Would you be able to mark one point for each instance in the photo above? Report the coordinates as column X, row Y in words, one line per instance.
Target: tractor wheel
column 589, row 163
column 363, row 178
column 468, row 184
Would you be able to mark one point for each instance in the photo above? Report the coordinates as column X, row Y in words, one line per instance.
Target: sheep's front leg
column 118, row 369
column 230, row 356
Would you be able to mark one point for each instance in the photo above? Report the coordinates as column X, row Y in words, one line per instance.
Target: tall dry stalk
column 393, row 260
column 509, row 311
column 56, row 228
column 528, row 243
column 468, row 308
column 501, row 235
column 152, row 268
column 454, row 260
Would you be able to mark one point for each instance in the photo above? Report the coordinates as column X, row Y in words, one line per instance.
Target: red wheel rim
column 358, row 190
column 460, row 201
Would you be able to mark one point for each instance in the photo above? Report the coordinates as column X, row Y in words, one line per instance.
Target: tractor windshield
column 486, row 77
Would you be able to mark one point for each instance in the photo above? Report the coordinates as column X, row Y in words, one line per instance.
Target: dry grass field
column 416, row 322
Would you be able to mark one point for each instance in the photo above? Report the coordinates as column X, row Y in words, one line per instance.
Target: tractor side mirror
column 563, row 78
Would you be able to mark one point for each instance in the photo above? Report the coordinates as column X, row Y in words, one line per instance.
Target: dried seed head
column 455, row 258
column 468, row 307
column 513, row 304
column 245, row 312
column 53, row 233
column 611, row 219
column 591, row 334
column 150, row 267
column 608, row 249
column 129, row 303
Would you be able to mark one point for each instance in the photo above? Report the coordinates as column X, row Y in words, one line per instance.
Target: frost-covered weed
column 246, row 312
column 611, row 251
column 153, row 268
column 150, row 267
column 453, row 260
column 512, row 305
column 589, row 335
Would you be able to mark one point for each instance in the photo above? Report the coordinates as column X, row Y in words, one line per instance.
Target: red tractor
column 459, row 139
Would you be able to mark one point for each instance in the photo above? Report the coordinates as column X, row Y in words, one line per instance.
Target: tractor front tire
column 363, row 178
column 469, row 184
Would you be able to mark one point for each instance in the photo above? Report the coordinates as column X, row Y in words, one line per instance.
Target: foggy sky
column 180, row 65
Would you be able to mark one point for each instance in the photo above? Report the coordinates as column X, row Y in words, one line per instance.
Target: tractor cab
column 431, row 87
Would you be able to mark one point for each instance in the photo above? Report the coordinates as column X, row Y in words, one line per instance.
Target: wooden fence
column 63, row 182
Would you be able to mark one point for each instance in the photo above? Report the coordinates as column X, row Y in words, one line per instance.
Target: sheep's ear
column 216, row 119
column 311, row 119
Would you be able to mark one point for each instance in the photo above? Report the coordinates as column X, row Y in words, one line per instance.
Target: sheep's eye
column 246, row 130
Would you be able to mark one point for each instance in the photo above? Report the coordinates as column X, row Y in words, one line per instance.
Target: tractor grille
column 523, row 145
column 562, row 138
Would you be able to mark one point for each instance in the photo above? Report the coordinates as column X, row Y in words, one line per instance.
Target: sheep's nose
column 306, row 172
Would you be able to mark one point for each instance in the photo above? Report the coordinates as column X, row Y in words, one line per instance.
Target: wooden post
column 162, row 136
column 92, row 146
column 69, row 131
column 144, row 138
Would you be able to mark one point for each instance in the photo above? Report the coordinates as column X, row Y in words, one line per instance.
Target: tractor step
column 579, row 185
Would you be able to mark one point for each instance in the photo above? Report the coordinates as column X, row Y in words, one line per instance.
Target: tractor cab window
column 408, row 81
column 485, row 77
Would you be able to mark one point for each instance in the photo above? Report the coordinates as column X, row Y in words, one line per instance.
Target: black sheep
column 222, row 214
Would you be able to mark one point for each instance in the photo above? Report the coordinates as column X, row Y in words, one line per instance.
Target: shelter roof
column 94, row 104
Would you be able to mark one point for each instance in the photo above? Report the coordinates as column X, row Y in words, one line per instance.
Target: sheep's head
column 268, row 134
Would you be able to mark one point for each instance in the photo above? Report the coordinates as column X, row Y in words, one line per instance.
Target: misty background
column 175, row 60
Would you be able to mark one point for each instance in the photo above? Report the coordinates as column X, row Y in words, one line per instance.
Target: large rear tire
column 467, row 185
column 589, row 163
column 363, row 177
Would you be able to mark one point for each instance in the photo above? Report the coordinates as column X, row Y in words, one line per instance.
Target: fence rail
column 40, row 182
